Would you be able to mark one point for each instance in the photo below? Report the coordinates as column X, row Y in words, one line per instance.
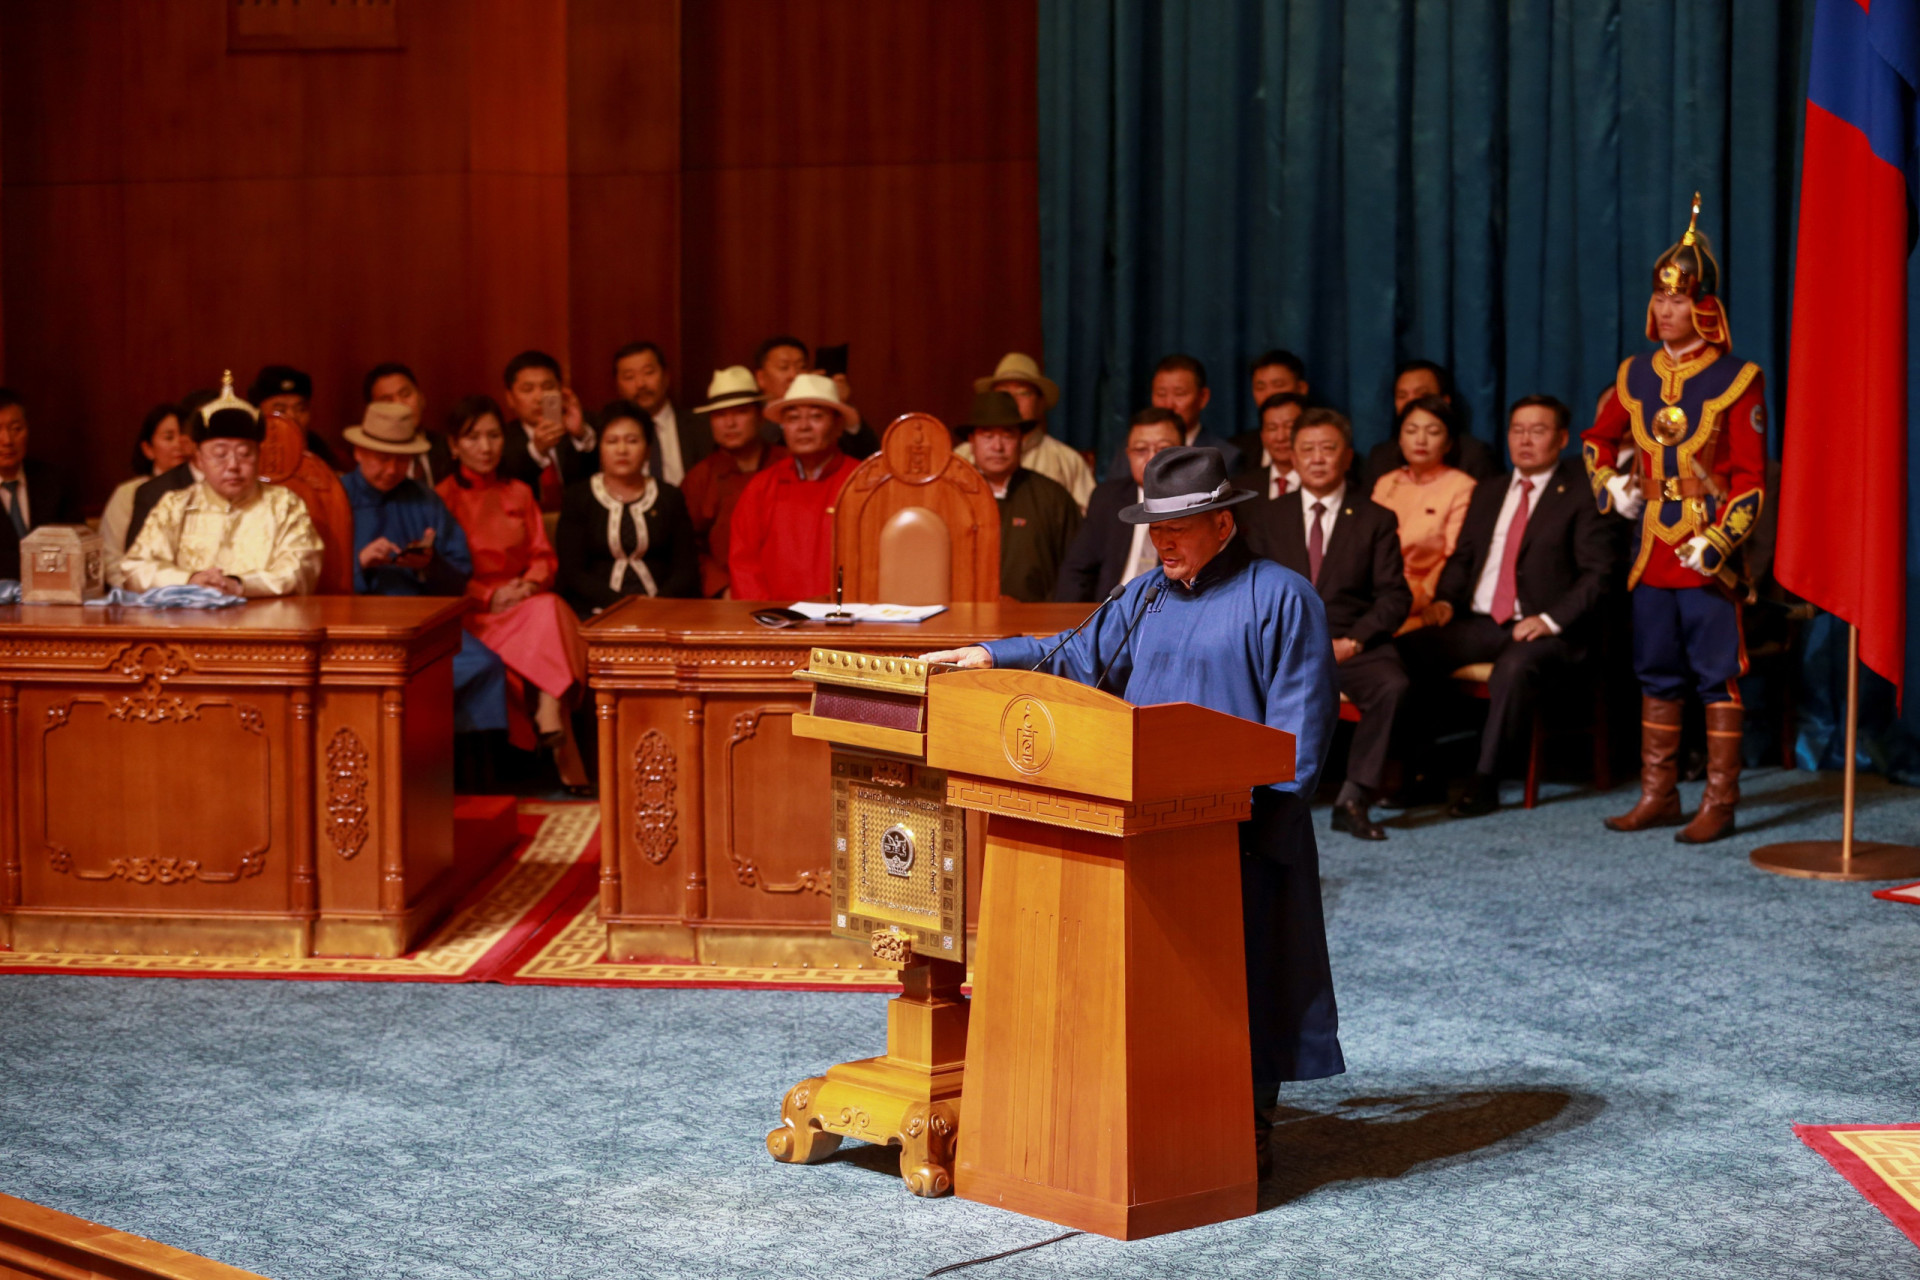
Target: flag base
column 1827, row 860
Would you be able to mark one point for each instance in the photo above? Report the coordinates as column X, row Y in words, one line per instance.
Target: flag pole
column 1844, row 859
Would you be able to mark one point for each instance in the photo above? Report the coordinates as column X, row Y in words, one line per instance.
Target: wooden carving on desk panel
column 912, row 497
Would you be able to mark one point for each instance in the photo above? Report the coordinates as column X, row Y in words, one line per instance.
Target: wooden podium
column 1108, row 1082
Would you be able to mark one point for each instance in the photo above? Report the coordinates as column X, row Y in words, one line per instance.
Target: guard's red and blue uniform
column 1698, row 428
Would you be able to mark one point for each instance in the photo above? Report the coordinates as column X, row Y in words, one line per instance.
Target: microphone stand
column 1146, row 602
column 1112, row 595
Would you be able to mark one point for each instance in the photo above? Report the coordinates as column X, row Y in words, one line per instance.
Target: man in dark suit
column 1413, row 379
column 32, row 492
column 1522, row 587
column 1107, row 552
column 549, row 446
column 393, row 383
column 676, row 441
column 1348, row 547
column 1275, row 373
column 1180, row 384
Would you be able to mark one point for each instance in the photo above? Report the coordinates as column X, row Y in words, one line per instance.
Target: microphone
column 1111, row 597
column 1146, row 601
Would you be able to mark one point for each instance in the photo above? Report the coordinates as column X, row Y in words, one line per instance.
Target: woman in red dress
column 519, row 617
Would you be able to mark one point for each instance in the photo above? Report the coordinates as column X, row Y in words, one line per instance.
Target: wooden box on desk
column 1108, row 1076
column 62, row 564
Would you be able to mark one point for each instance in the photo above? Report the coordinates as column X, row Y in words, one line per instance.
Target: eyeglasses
column 1534, row 431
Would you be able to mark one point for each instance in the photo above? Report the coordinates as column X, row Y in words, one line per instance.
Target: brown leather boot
column 1659, row 802
column 1715, row 818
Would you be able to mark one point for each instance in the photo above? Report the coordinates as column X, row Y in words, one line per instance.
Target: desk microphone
column 1146, row 602
column 1111, row 597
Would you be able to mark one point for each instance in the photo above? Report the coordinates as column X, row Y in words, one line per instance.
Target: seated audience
column 394, row 383
column 622, row 532
column 1521, row 590
column 1020, row 377
column 406, row 543
column 781, row 547
column 177, row 477
column 674, row 444
column 1349, row 548
column 227, row 531
column 551, row 444
column 781, row 359
column 283, row 393
column 1180, row 384
column 164, row 443
column 1275, row 373
column 1412, row 380
column 1429, row 496
column 715, row 483
column 1268, row 468
column 1038, row 518
column 518, row 616
column 32, row 492
column 1107, row 551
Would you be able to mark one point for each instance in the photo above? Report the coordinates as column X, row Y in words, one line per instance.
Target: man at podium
column 1216, row 627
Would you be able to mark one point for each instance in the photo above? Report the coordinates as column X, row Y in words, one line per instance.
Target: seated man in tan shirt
column 228, row 531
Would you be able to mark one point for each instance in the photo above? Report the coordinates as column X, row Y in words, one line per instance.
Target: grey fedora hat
column 1183, row 481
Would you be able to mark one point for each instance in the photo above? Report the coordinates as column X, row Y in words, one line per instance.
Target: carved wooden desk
column 714, row 818
column 274, row 779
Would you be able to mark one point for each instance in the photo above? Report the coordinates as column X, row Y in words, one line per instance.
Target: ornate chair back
column 915, row 524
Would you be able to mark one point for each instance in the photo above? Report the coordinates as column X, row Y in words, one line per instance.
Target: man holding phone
column 554, row 445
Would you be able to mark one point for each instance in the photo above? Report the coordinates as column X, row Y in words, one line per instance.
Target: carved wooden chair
column 915, row 524
column 284, row 460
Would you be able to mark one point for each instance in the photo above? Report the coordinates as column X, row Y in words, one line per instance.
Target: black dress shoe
column 1351, row 817
column 1482, row 797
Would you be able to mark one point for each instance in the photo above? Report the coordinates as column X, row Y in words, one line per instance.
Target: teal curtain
column 1483, row 184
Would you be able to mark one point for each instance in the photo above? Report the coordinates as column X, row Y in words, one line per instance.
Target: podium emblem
column 1026, row 734
column 896, row 850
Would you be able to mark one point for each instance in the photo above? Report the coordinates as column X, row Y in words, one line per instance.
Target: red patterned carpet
column 1882, row 1161
column 533, row 920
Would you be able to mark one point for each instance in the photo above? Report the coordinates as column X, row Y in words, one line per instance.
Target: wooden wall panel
column 569, row 174
column 864, row 171
column 623, row 109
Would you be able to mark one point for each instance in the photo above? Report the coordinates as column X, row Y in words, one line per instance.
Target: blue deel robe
column 402, row 515
column 1248, row 638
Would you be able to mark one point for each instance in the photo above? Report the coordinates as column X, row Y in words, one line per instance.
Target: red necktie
column 1316, row 543
column 1505, row 588
column 551, row 485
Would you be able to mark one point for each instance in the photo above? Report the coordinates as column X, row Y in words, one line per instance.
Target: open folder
column 871, row 612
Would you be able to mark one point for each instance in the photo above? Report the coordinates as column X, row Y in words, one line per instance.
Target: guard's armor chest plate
column 1677, row 409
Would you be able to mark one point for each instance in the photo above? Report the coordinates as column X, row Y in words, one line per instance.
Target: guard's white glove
column 1692, row 554
column 1627, row 501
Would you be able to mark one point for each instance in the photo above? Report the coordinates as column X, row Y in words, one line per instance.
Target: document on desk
column 872, row 612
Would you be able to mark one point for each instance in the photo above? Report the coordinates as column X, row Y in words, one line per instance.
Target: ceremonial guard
column 1695, row 418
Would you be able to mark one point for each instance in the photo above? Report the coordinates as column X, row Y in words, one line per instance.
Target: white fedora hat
column 814, row 388
column 731, row 387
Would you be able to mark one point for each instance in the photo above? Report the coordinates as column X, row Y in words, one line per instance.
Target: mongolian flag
column 1843, row 482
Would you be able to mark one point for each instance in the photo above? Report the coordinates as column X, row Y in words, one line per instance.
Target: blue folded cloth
column 184, row 596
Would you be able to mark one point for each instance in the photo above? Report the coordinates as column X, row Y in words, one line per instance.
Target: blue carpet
column 1573, row 1054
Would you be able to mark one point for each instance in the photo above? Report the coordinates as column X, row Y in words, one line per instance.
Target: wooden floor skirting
column 44, row 1244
